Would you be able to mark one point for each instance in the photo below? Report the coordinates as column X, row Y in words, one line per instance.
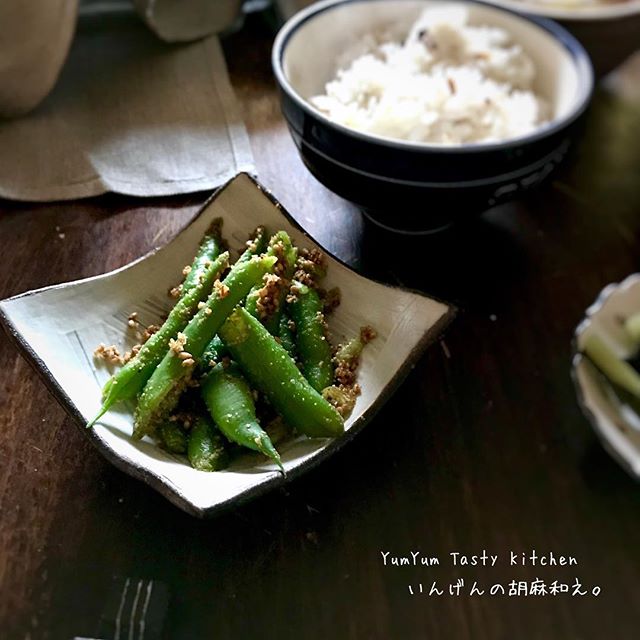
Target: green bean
column 286, row 335
column 131, row 379
column 230, row 403
column 266, row 301
column 255, row 245
column 632, row 325
column 209, row 249
column 172, row 375
column 173, row 437
column 349, row 353
column 311, row 340
column 214, row 352
column 206, row 449
column 269, row 369
column 613, row 367
column 344, row 394
column 311, row 266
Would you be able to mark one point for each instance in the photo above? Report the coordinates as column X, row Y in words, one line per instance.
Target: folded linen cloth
column 128, row 114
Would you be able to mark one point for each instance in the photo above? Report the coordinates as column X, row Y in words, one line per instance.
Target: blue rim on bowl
column 570, row 43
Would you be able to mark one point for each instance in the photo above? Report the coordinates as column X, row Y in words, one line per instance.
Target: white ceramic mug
column 183, row 20
column 34, row 41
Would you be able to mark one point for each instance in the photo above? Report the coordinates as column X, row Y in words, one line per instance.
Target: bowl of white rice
column 423, row 112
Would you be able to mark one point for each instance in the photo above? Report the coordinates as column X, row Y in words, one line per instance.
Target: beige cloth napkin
column 129, row 114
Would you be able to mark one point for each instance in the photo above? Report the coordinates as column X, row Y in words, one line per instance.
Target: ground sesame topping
column 294, row 292
column 269, row 295
column 346, row 361
column 177, row 345
column 221, row 290
column 345, row 372
column 331, row 300
column 252, row 242
column 183, row 418
column 149, row 331
column 129, row 355
column 109, row 354
column 132, row 320
column 278, row 249
column 187, row 270
column 310, row 267
column 342, row 399
column 367, row 334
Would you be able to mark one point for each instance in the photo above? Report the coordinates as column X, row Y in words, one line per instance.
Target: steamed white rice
column 449, row 83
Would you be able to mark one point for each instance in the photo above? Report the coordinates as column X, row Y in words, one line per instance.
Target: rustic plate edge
column 166, row 488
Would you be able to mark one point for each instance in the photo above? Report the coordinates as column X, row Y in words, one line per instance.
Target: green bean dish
column 243, row 361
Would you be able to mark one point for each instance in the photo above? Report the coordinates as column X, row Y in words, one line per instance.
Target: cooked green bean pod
column 266, row 301
column 172, row 375
column 312, row 344
column 270, row 369
column 632, row 325
column 131, row 379
column 209, row 249
column 344, row 393
column 350, row 351
column 230, row 403
column 173, row 438
column 255, row 245
column 607, row 360
column 286, row 335
column 214, row 352
column 206, row 449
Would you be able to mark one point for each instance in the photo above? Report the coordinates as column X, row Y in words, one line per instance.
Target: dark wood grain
column 483, row 447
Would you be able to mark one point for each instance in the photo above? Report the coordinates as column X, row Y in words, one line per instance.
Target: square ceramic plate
column 59, row 327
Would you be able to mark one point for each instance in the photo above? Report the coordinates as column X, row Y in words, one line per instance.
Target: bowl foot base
column 417, row 231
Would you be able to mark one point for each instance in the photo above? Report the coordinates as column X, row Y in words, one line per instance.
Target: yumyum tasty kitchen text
column 530, row 558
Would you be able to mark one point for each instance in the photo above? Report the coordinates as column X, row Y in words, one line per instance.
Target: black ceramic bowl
column 412, row 186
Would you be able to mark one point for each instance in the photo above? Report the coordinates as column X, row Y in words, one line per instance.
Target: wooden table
column 483, row 447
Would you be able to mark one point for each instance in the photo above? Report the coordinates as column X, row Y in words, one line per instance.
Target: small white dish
column 616, row 424
column 58, row 328
column 609, row 31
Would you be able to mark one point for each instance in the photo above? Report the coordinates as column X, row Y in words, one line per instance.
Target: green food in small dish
column 243, row 361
